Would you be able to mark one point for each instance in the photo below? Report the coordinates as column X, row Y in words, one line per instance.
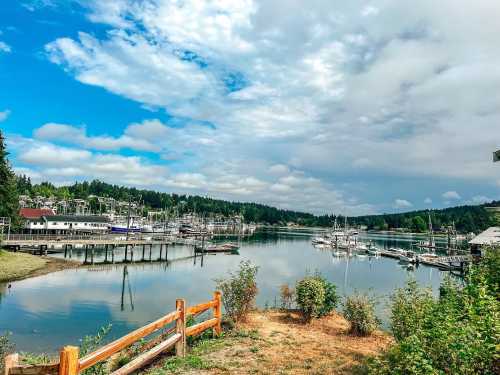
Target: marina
column 46, row 312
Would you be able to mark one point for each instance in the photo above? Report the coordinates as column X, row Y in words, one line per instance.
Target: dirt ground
column 279, row 343
column 18, row 266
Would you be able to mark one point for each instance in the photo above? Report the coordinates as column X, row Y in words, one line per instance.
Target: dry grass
column 16, row 266
column 279, row 343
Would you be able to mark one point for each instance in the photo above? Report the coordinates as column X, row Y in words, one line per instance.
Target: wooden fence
column 70, row 362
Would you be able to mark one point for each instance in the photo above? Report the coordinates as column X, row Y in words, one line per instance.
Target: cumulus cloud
column 367, row 86
column 402, row 203
column 4, row 115
column 428, row 200
column 479, row 199
column 451, row 195
column 4, row 47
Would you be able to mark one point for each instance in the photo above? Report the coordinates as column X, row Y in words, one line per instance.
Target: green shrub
column 457, row 333
column 91, row 343
column 239, row 290
column 310, row 296
column 5, row 348
column 331, row 297
column 359, row 310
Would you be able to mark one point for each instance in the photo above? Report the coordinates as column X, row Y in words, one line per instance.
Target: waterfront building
column 490, row 237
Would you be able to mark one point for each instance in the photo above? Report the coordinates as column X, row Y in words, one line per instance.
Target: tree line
column 465, row 218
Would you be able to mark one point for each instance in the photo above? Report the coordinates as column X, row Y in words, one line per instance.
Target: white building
column 490, row 237
column 59, row 224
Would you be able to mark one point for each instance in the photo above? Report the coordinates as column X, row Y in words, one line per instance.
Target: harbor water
column 42, row 314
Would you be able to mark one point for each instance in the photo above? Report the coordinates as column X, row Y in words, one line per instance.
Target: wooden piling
column 86, row 254
column 68, row 360
column 180, row 328
column 10, row 361
column 218, row 312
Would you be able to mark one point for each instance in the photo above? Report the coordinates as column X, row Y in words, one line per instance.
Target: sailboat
column 430, row 243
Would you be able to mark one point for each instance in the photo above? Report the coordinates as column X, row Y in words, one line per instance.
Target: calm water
column 46, row 312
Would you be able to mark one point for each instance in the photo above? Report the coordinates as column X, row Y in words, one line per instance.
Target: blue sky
column 355, row 108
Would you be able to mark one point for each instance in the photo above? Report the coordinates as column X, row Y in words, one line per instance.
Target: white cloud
column 369, row 10
column 428, row 200
column 397, row 95
column 402, row 203
column 451, row 195
column 4, row 115
column 4, row 47
column 479, row 199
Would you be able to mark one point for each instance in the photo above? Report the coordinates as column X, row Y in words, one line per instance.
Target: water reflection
column 47, row 312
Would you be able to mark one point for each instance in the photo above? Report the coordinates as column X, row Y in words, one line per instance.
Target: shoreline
column 20, row 266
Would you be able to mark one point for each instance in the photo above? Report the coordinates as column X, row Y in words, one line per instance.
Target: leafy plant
column 239, row 290
column 331, row 297
column 457, row 333
column 91, row 343
column 5, row 348
column 310, row 297
column 359, row 310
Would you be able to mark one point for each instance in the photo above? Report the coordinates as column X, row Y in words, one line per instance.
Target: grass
column 15, row 266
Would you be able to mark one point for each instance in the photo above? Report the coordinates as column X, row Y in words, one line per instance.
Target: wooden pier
column 49, row 244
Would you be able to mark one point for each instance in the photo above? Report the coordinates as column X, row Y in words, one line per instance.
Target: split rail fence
column 70, row 362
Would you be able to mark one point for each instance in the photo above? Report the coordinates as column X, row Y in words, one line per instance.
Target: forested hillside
column 466, row 218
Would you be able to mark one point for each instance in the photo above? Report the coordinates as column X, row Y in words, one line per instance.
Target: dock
column 57, row 244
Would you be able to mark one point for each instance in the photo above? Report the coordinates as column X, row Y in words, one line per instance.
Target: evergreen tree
column 9, row 200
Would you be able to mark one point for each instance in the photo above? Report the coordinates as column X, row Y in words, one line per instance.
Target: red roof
column 35, row 213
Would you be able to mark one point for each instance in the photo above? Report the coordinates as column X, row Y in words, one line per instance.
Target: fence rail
column 71, row 364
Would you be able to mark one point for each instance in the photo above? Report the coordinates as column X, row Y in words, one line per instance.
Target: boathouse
column 66, row 224
column 490, row 237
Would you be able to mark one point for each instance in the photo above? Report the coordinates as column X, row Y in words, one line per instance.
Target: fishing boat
column 124, row 228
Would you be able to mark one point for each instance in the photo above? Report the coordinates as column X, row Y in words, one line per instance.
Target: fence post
column 218, row 312
column 10, row 361
column 180, row 327
column 68, row 360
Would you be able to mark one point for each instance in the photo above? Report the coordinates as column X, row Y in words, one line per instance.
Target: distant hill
column 466, row 218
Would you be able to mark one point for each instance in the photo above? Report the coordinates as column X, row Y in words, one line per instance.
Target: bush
column 5, row 348
column 457, row 333
column 359, row 310
column 91, row 343
column 331, row 297
column 239, row 291
column 310, row 296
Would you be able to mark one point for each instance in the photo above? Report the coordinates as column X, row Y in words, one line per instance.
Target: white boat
column 408, row 257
